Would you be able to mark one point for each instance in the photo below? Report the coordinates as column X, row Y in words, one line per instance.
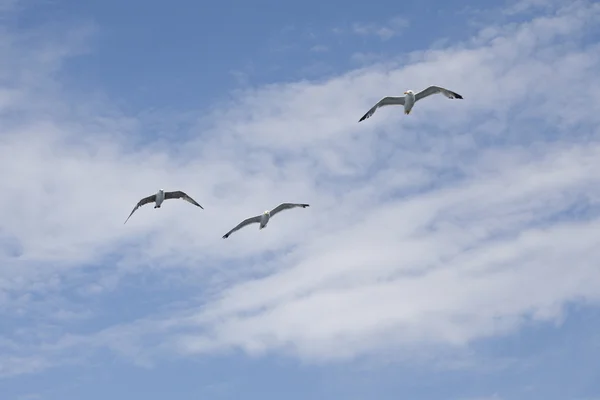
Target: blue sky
column 448, row 254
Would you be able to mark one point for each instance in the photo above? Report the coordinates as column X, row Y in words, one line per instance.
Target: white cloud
column 464, row 220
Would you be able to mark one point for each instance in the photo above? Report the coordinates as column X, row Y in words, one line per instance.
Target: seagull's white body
column 409, row 99
column 264, row 219
column 160, row 197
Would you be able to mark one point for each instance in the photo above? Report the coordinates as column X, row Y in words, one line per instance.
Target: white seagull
column 161, row 196
column 410, row 99
column 263, row 219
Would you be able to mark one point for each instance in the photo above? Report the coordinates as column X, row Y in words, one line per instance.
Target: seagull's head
column 409, row 92
column 266, row 212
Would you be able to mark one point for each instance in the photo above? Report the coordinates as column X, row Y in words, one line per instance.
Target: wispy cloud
column 425, row 232
column 520, row 6
column 394, row 27
column 366, row 58
column 319, row 48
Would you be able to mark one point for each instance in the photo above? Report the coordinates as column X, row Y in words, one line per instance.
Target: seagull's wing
column 181, row 195
column 437, row 89
column 285, row 206
column 242, row 224
column 143, row 201
column 386, row 101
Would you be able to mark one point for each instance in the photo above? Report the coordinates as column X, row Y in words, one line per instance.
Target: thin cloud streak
column 394, row 27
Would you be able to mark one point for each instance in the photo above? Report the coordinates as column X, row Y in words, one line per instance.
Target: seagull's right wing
column 181, row 195
column 386, row 101
column 242, row 224
column 143, row 201
column 285, row 206
column 437, row 89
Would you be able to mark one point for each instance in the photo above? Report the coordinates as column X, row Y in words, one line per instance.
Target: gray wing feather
column 437, row 89
column 285, row 206
column 140, row 203
column 386, row 101
column 245, row 222
column 181, row 195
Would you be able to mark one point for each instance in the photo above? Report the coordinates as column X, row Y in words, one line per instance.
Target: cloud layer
column 464, row 220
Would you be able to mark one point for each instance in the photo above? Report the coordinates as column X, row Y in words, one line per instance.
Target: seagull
column 263, row 219
column 410, row 99
column 161, row 196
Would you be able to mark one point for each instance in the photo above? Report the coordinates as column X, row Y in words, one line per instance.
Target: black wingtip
column 305, row 205
column 458, row 96
column 225, row 236
column 367, row 115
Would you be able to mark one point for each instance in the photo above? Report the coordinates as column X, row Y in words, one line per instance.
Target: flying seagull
column 263, row 219
column 161, row 196
column 410, row 99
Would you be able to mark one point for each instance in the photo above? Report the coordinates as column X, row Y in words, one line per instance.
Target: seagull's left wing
column 181, row 195
column 437, row 89
column 386, row 101
column 285, row 206
column 247, row 221
column 140, row 203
